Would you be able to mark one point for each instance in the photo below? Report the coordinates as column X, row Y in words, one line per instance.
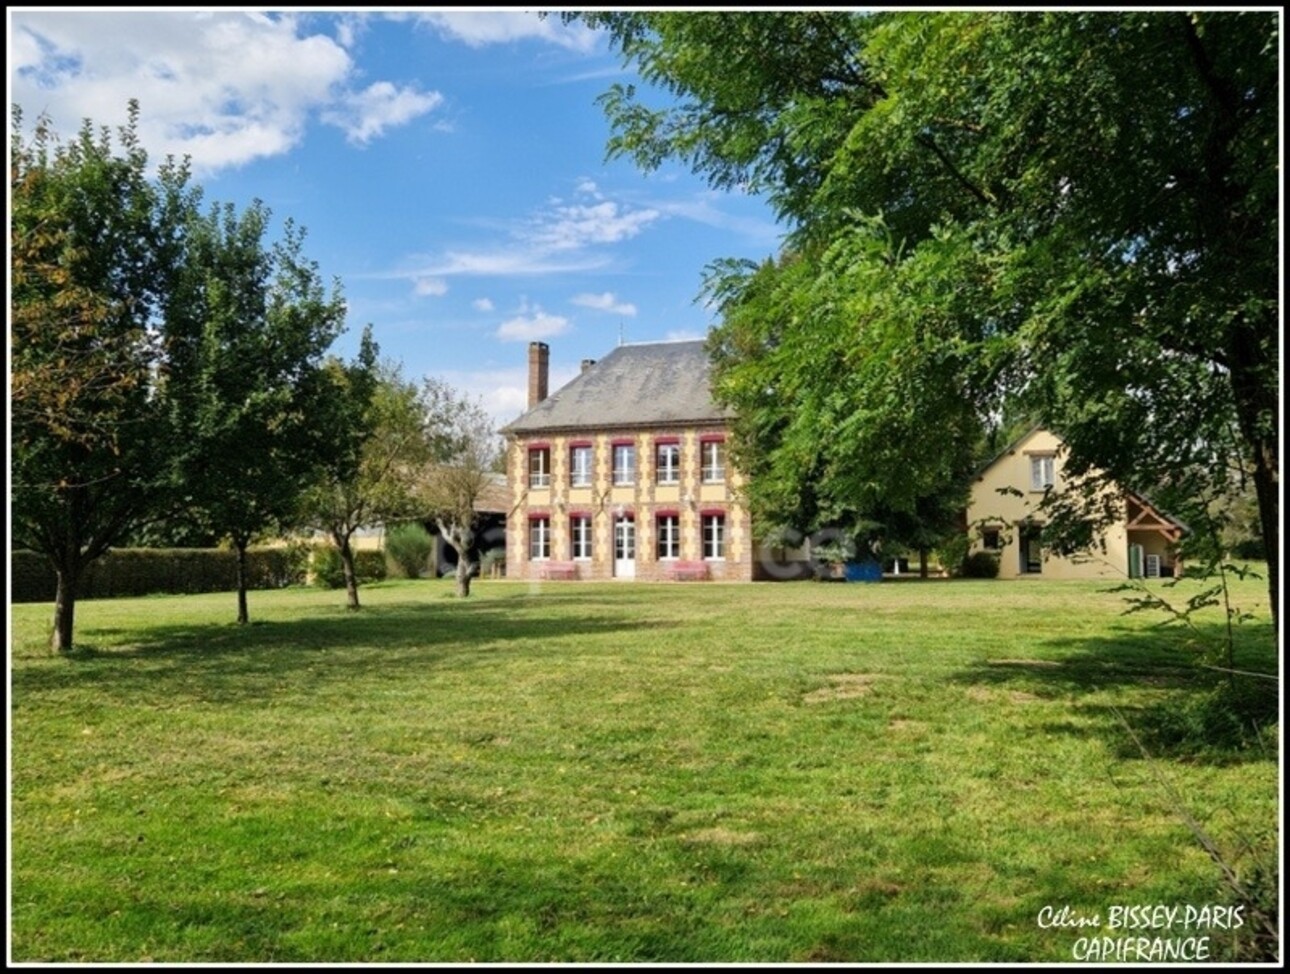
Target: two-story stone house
column 1004, row 518
column 623, row 472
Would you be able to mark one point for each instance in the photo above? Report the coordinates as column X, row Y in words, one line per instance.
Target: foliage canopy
column 1073, row 214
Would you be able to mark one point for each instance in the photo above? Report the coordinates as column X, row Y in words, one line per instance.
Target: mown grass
column 688, row 773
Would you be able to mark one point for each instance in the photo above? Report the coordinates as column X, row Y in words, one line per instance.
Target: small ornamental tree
column 377, row 447
column 463, row 454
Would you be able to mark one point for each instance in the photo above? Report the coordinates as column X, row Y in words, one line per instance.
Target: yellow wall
column 1008, row 511
column 602, row 499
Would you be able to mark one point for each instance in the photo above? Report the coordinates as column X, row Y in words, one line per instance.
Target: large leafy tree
column 244, row 355
column 96, row 243
column 1103, row 186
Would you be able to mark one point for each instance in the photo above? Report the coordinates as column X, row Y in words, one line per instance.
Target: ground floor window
column 580, row 530
column 669, row 536
column 540, row 538
column 714, row 537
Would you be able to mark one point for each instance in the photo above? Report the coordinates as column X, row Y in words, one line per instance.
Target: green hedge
column 146, row 571
column 328, row 572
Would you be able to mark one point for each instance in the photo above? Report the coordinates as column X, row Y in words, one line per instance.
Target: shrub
column 1251, row 549
column 1232, row 715
column 981, row 564
column 409, row 547
column 493, row 556
column 328, row 572
column 952, row 551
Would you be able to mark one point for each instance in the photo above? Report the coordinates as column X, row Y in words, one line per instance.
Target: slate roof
column 495, row 498
column 648, row 384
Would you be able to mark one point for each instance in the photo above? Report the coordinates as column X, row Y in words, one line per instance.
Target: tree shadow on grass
column 1187, row 710
column 381, row 643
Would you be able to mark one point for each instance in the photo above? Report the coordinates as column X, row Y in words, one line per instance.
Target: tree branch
column 983, row 196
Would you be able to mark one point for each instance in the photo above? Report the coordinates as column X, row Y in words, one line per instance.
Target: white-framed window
column 1041, row 472
column 668, row 463
column 624, row 464
column 669, row 536
column 580, row 532
column 539, row 538
column 580, row 466
column 714, row 537
column 540, row 466
column 713, row 454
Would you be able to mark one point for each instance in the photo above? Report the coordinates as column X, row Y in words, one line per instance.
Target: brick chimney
column 587, row 363
column 539, row 372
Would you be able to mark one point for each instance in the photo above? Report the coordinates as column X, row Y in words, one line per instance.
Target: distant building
column 1003, row 518
column 624, row 472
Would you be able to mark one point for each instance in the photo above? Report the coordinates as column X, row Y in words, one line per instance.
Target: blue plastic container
column 862, row 571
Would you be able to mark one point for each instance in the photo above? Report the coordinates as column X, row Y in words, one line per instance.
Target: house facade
column 1003, row 518
column 623, row 473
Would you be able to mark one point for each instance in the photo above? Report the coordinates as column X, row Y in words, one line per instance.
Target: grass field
column 902, row 772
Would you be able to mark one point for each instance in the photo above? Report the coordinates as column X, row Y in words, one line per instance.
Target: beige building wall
column 1009, row 513
column 643, row 501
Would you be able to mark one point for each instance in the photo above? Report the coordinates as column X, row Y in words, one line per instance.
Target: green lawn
column 907, row 771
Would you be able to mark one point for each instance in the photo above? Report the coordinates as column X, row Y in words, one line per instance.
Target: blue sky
column 449, row 168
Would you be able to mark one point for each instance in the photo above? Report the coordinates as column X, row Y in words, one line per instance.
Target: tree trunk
column 351, row 576
column 1257, row 413
column 243, row 616
column 1265, row 487
column 922, row 562
column 464, row 570
column 64, row 611
column 462, row 539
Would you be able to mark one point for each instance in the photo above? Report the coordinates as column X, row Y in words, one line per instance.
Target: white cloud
column 701, row 210
column 430, row 287
column 605, row 302
column 531, row 324
column 574, row 227
column 480, row 28
column 365, row 115
column 557, row 239
column 348, row 28
column 482, row 304
column 211, row 84
column 508, row 262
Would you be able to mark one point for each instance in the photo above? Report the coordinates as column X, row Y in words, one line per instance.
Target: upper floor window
column 714, row 461
column 580, row 466
column 624, row 464
column 1041, row 472
column 668, row 466
column 540, row 466
column 580, row 534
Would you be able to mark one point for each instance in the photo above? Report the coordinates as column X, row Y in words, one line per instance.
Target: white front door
column 624, row 548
